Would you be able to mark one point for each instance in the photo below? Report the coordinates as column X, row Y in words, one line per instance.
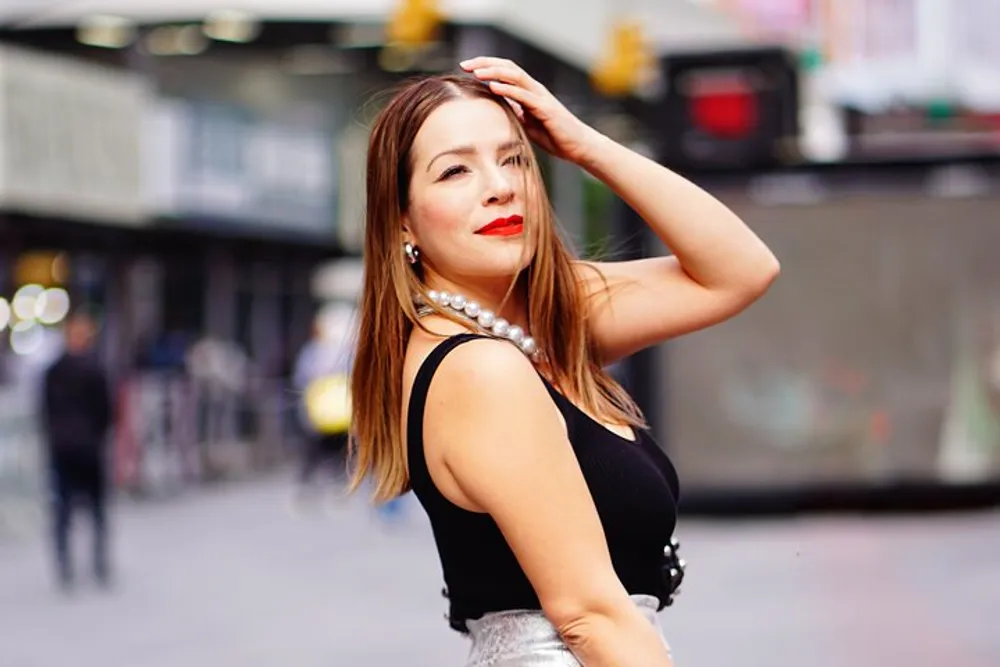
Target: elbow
column 578, row 628
column 608, row 629
column 580, row 633
column 578, row 621
column 769, row 272
column 761, row 277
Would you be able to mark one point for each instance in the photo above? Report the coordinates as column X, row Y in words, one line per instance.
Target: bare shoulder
column 485, row 360
column 478, row 387
column 485, row 367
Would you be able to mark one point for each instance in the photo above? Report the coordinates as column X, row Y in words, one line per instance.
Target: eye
column 517, row 160
column 453, row 171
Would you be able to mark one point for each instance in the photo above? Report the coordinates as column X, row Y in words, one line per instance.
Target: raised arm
column 719, row 266
column 505, row 451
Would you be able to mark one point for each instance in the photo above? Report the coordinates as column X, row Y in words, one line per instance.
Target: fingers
column 518, row 109
column 485, row 61
column 517, row 95
column 500, row 69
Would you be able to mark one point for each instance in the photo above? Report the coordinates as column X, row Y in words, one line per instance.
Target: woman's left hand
column 546, row 121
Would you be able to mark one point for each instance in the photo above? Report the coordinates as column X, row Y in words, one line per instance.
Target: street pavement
column 233, row 576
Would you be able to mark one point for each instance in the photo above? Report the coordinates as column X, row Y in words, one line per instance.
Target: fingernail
column 464, row 63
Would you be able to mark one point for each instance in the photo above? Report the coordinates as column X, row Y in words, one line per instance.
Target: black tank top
column 633, row 484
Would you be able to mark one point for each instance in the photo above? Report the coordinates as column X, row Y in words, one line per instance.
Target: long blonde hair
column 387, row 313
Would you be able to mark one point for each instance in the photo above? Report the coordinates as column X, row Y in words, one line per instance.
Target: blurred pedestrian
column 76, row 411
column 321, row 379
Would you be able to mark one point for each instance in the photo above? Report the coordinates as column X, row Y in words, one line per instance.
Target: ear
column 408, row 235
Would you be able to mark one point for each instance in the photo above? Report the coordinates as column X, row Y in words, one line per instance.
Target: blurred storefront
column 871, row 364
column 191, row 229
column 867, row 377
column 194, row 186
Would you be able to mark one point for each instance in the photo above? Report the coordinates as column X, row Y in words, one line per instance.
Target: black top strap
column 421, row 383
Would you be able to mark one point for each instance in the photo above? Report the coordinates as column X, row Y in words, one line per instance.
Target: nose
column 499, row 189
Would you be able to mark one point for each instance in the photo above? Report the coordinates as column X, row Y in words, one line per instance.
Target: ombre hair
column 556, row 299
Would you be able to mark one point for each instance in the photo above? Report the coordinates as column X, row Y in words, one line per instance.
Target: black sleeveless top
column 633, row 484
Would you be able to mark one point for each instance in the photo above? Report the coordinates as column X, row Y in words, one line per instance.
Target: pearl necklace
column 485, row 320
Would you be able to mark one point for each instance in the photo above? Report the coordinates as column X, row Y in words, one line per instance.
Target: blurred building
column 194, row 173
column 191, row 169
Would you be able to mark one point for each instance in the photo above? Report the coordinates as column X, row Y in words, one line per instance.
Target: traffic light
column 627, row 63
column 728, row 109
column 415, row 23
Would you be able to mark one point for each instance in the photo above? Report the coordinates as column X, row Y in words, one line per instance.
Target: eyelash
column 517, row 160
column 453, row 171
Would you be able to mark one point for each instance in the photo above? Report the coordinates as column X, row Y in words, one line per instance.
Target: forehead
column 463, row 122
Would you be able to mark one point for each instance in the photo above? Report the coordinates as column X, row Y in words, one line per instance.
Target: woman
column 479, row 380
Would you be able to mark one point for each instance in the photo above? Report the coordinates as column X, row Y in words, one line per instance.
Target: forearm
column 623, row 639
column 711, row 243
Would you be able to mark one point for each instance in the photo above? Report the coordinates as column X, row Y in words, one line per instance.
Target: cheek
column 437, row 220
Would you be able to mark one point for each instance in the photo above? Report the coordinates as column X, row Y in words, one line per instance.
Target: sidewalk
column 229, row 575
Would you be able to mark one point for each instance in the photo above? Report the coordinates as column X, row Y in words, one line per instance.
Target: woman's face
column 467, row 194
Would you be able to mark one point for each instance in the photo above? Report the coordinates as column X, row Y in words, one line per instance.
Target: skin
column 523, row 471
column 453, row 194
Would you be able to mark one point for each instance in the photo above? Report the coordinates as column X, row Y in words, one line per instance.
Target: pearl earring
column 412, row 252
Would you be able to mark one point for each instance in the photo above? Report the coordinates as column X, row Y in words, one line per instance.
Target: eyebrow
column 470, row 150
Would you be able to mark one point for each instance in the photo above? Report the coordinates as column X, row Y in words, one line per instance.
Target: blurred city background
column 191, row 175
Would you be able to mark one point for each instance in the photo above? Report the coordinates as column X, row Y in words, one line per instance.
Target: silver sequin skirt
column 528, row 639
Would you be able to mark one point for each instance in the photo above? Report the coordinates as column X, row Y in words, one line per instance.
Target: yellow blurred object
column 414, row 23
column 42, row 268
column 628, row 62
column 328, row 404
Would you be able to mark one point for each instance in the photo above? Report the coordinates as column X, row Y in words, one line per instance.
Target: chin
column 518, row 255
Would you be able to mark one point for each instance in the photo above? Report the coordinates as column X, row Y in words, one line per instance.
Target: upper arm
column 639, row 303
column 507, row 450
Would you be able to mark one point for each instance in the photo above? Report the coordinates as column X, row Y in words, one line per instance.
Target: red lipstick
column 509, row 226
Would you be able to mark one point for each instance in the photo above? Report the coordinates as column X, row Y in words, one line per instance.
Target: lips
column 508, row 226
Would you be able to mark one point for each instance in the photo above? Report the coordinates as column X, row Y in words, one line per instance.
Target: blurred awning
column 575, row 32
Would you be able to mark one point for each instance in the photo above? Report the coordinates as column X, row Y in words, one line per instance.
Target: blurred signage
column 222, row 165
column 728, row 109
column 69, row 138
column 916, row 77
column 786, row 18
